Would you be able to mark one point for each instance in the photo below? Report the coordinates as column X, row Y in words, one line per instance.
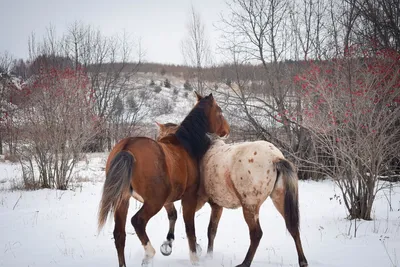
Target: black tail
column 116, row 185
column 291, row 208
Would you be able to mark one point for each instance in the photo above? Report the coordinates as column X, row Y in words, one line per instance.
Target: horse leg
column 252, row 219
column 278, row 198
column 189, row 204
column 166, row 247
column 119, row 230
column 216, row 212
column 139, row 222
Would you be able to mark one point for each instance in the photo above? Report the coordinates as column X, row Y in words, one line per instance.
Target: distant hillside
column 218, row 73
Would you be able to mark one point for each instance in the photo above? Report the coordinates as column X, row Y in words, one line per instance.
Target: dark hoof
column 166, row 248
column 303, row 264
column 242, row 265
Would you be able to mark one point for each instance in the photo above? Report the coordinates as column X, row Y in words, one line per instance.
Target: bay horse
column 244, row 175
column 157, row 173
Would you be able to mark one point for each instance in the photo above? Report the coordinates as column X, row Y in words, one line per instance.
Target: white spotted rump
column 237, row 174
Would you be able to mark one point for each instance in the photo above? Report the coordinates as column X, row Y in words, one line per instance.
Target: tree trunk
column 1, row 144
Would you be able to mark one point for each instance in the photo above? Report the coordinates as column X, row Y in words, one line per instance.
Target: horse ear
column 161, row 126
column 211, row 96
column 199, row 97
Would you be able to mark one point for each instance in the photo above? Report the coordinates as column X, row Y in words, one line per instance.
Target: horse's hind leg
column 216, row 212
column 119, row 230
column 139, row 222
column 252, row 219
column 166, row 247
column 278, row 198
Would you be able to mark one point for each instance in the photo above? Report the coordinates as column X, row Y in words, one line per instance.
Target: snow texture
column 59, row 228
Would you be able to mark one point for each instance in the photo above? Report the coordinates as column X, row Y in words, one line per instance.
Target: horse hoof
column 303, row 264
column 210, row 255
column 166, row 248
column 146, row 262
column 194, row 259
column 199, row 250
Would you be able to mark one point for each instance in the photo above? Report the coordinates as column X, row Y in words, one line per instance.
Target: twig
column 351, row 223
column 387, row 252
column 17, row 201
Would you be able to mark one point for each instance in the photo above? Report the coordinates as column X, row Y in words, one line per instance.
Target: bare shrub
column 58, row 120
column 187, row 86
column 157, row 89
column 352, row 109
column 11, row 157
column 128, row 114
column 164, row 106
column 167, row 83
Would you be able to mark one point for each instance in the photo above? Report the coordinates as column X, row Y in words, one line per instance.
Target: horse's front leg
column 166, row 247
column 216, row 212
column 189, row 203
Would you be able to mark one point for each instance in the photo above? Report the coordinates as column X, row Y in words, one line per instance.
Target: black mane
column 192, row 132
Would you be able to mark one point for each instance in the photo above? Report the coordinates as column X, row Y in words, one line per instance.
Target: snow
column 59, row 228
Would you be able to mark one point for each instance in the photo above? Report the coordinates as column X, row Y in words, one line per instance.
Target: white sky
column 160, row 23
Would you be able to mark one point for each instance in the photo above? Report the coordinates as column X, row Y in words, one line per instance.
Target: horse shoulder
column 181, row 167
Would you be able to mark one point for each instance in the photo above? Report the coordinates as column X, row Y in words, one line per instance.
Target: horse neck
column 194, row 141
column 192, row 132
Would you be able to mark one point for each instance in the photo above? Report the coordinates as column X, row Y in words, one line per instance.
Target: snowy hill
column 162, row 104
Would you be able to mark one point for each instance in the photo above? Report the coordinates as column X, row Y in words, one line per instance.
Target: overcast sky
column 160, row 23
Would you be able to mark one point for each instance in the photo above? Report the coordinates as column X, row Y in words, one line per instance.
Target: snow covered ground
column 59, row 228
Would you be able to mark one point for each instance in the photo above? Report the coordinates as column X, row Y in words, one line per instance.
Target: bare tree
column 308, row 22
column 9, row 84
column 20, row 69
column 260, row 31
column 195, row 47
column 108, row 61
column 6, row 62
column 256, row 26
column 379, row 21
